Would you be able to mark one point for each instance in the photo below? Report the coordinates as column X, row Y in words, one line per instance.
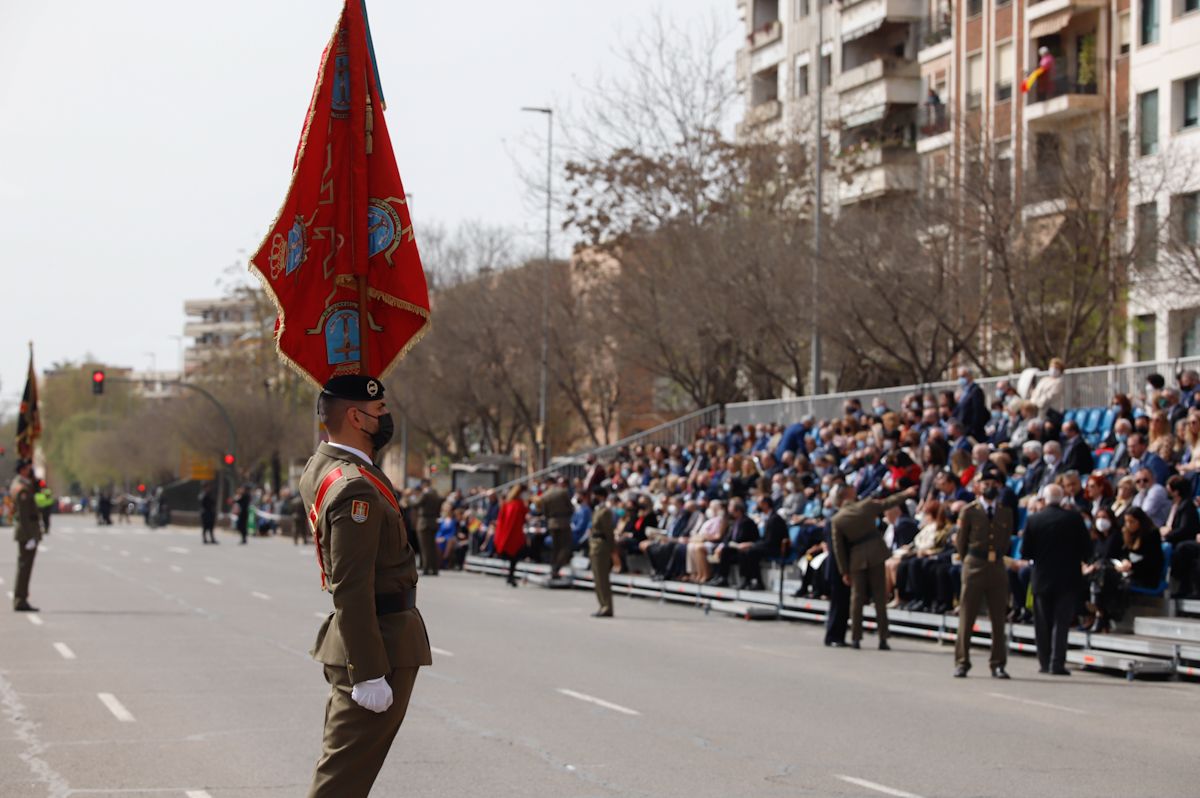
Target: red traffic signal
column 230, row 460
column 141, row 487
column 97, row 382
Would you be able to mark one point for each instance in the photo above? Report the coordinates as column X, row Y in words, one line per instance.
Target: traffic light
column 97, row 382
column 230, row 459
column 141, row 487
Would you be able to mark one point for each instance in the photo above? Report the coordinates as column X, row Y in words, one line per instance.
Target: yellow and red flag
column 29, row 422
column 1032, row 80
column 341, row 262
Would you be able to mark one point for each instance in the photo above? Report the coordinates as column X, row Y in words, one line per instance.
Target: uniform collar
column 351, row 450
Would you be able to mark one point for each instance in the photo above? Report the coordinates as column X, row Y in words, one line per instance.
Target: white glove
column 31, row 544
column 374, row 694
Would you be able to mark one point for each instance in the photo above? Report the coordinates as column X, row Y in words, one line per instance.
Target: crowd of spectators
column 742, row 495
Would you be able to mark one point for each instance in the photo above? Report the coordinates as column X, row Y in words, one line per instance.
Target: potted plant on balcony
column 1087, row 64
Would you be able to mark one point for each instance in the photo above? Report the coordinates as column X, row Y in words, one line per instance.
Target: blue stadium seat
column 1022, row 515
column 1106, row 422
column 1091, row 422
column 1069, row 415
column 1103, row 460
column 1162, row 585
column 1015, row 549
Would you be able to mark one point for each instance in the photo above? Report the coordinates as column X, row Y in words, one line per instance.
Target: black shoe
column 1060, row 672
column 718, row 581
column 1000, row 673
column 24, row 606
column 883, row 646
column 599, row 614
column 960, row 672
column 835, row 643
column 856, row 644
column 1099, row 626
column 1042, row 669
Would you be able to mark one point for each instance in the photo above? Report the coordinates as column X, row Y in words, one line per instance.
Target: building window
column 974, row 80
column 1189, row 6
column 826, row 70
column 1146, row 235
column 974, row 8
column 1005, row 66
column 802, row 81
column 1148, row 123
column 1124, row 33
column 1191, row 103
column 802, row 9
column 1148, row 14
column 1186, row 208
column 1145, row 331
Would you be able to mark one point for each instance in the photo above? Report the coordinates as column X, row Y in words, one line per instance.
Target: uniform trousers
column 24, row 571
column 356, row 739
column 1053, row 613
column 430, row 556
column 600, row 553
column 872, row 577
column 562, row 542
column 983, row 584
column 839, row 609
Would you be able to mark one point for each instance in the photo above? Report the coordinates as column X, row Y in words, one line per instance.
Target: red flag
column 29, row 422
column 342, row 246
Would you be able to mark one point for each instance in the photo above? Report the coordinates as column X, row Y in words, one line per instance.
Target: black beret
column 989, row 471
column 354, row 388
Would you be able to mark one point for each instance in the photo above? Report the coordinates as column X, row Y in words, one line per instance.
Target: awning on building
column 863, row 30
column 1038, row 234
column 866, row 117
column 1050, row 24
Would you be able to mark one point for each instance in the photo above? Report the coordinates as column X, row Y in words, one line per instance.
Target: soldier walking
column 429, row 507
column 28, row 533
column 985, row 530
column 601, row 541
column 555, row 505
column 861, row 553
column 374, row 641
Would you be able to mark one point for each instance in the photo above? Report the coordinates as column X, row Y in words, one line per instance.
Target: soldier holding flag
column 341, row 264
column 27, row 517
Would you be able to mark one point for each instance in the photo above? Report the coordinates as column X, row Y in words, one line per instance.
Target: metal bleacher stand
column 1158, row 645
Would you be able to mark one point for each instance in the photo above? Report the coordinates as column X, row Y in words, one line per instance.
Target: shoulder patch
column 359, row 510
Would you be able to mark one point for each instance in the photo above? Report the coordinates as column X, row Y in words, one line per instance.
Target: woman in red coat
column 510, row 530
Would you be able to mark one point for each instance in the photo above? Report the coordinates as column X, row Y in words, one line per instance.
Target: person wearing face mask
column 985, row 530
column 972, row 410
column 1052, row 455
column 429, row 508
column 1049, row 393
column 1057, row 543
column 374, row 641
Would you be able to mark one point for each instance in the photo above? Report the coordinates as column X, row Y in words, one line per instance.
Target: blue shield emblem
column 341, row 337
column 295, row 246
column 381, row 227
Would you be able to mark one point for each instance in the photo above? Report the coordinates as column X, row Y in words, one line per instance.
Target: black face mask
column 383, row 434
column 991, row 492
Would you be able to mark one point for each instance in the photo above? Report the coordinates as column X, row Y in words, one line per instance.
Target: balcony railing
column 765, row 34
column 932, row 120
column 1061, row 85
column 935, row 31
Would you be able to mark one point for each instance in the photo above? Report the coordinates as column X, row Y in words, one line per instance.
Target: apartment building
column 1162, row 38
column 861, row 57
column 216, row 325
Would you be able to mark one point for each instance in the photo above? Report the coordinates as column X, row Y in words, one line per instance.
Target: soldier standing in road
column 374, row 642
column 300, row 530
column 208, row 515
column 429, row 507
column 985, row 529
column 861, row 553
column 555, row 505
column 28, row 533
column 601, row 541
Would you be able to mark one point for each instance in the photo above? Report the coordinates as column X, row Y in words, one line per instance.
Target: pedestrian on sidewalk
column 1058, row 544
column 208, row 515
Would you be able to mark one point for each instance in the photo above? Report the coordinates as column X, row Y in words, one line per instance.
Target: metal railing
column 1061, row 84
column 932, row 120
column 1083, row 387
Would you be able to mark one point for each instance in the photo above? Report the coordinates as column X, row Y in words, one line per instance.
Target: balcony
column 872, row 170
column 862, row 17
column 867, row 91
column 1062, row 98
column 763, row 113
column 1039, row 12
column 933, row 128
column 765, row 34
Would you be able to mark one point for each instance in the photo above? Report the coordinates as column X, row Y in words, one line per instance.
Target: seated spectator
column 1125, row 494
column 908, row 562
column 705, row 541
column 1049, row 392
column 1072, row 488
column 668, row 557
column 1077, row 455
column 1052, row 454
column 736, row 547
column 1151, row 497
column 1141, row 457
column 1098, row 494
column 1183, row 522
column 1138, row 561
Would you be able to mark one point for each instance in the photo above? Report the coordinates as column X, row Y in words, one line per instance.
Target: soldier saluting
column 374, row 641
column 28, row 532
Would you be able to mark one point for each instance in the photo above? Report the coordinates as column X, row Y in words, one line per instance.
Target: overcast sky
column 145, row 146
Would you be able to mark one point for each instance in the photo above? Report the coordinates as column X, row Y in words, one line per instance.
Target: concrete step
column 1132, row 665
column 1182, row 629
column 1188, row 607
column 743, row 609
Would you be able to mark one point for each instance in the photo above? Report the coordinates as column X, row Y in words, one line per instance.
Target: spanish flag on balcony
column 1032, row 80
column 341, row 260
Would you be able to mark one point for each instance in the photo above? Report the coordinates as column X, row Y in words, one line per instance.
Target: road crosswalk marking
column 600, row 702
column 115, row 707
column 64, row 651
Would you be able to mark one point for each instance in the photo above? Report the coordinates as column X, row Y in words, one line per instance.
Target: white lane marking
column 441, row 652
column 881, row 788
column 197, row 794
column 116, row 707
column 176, row 569
column 9, row 593
column 66, row 652
column 1043, row 704
column 33, row 619
column 258, row 595
column 212, row 580
column 600, row 702
column 179, row 549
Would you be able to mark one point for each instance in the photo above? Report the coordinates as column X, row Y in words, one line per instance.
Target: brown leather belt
column 390, row 603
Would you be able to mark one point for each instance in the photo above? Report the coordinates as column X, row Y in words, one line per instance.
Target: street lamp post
column 820, row 166
column 544, row 438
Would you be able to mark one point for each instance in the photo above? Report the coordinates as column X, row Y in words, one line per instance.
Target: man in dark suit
column 1057, row 543
column 774, row 543
column 1141, row 457
column 1120, row 443
column 1035, row 469
column 735, row 546
column 972, row 409
column 1077, row 455
column 838, row 618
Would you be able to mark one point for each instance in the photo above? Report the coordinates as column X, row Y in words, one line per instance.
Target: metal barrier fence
column 680, row 431
column 1083, row 387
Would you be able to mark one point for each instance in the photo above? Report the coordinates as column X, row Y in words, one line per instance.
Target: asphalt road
column 159, row 666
